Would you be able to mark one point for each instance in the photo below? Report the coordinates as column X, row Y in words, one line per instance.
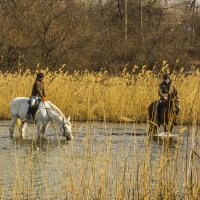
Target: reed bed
column 98, row 96
column 101, row 166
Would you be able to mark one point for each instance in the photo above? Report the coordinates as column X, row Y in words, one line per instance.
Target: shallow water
column 45, row 169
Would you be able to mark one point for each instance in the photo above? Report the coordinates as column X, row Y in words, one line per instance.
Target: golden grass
column 98, row 96
column 92, row 167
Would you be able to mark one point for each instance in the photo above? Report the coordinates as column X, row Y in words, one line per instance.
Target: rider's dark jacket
column 167, row 89
column 38, row 88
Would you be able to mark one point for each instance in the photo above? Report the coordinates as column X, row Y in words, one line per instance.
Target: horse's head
column 66, row 129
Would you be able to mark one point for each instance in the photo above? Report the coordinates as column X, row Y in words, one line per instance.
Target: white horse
column 47, row 112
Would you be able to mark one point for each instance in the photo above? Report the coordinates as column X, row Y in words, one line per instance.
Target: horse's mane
column 56, row 109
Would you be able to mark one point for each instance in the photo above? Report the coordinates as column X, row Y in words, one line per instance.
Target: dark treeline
column 98, row 34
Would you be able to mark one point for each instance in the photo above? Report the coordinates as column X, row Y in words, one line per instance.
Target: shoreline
column 117, row 122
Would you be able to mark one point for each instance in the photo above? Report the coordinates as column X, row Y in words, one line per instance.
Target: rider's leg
column 32, row 103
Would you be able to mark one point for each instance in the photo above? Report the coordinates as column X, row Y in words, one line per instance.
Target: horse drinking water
column 47, row 112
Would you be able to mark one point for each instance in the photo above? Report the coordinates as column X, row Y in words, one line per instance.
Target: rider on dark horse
column 166, row 90
column 38, row 94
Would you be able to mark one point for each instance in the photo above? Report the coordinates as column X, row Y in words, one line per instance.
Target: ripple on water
column 48, row 169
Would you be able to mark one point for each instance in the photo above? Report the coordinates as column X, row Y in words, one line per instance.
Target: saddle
column 32, row 109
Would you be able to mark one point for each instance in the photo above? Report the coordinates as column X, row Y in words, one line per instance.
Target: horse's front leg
column 39, row 129
column 151, row 130
column 12, row 125
column 44, row 127
column 23, row 130
column 165, row 128
column 168, row 128
column 171, row 128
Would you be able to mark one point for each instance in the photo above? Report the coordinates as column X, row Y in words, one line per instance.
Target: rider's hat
column 166, row 76
column 40, row 75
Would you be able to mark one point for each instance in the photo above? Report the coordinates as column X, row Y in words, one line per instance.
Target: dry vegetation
column 96, row 166
column 102, row 37
column 92, row 34
column 98, row 96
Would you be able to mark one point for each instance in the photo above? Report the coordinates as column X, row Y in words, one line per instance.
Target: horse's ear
column 68, row 119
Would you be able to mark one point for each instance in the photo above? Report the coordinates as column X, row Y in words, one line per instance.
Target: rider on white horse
column 38, row 93
column 47, row 113
column 40, row 111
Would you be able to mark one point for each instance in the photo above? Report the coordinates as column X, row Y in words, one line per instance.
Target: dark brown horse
column 165, row 117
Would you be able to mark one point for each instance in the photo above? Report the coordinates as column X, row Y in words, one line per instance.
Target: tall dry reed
column 101, row 166
column 98, row 96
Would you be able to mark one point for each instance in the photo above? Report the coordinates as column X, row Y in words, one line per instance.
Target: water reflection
column 44, row 166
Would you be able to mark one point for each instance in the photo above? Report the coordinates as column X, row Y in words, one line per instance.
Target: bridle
column 64, row 128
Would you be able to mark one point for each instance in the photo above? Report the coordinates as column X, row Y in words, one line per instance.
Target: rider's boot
column 29, row 115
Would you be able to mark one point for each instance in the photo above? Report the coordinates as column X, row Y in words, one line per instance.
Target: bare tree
column 97, row 34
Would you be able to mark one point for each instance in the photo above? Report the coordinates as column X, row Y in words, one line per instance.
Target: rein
column 52, row 121
column 58, row 133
